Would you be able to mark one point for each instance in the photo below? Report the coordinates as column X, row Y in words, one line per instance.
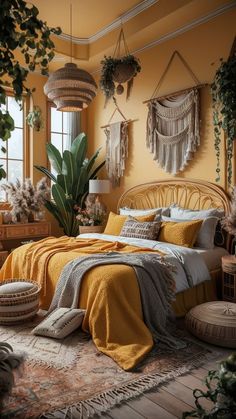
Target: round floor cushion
column 214, row 322
column 19, row 300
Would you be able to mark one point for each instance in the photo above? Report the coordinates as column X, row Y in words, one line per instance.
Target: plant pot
column 123, row 73
column 90, row 229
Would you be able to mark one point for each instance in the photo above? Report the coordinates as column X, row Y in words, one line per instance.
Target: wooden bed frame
column 191, row 194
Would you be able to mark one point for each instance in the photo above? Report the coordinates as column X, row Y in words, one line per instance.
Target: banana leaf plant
column 70, row 185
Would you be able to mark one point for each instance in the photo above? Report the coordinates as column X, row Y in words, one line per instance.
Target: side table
column 229, row 278
column 12, row 235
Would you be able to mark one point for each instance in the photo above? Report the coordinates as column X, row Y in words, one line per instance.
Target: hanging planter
column 118, row 69
column 223, row 91
column 34, row 119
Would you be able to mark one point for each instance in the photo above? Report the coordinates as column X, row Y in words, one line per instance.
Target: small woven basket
column 19, row 300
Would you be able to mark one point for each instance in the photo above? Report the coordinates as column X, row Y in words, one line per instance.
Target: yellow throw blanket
column 109, row 293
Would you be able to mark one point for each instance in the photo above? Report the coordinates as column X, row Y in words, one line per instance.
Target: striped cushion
column 19, row 300
column 146, row 230
column 60, row 323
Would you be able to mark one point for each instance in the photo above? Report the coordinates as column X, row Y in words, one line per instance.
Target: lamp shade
column 99, row 186
column 70, row 88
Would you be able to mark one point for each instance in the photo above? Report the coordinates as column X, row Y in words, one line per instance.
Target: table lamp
column 99, row 187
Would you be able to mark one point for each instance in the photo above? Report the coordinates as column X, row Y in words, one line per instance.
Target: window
column 63, row 127
column 14, row 160
column 59, row 129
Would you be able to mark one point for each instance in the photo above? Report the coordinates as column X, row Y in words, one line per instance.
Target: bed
column 110, row 294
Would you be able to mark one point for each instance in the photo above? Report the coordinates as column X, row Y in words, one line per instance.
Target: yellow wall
column 200, row 47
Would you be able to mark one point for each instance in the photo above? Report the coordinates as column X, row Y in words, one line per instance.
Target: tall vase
column 31, row 217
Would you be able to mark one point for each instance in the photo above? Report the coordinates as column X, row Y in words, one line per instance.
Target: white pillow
column 206, row 234
column 178, row 212
column 135, row 212
column 60, row 323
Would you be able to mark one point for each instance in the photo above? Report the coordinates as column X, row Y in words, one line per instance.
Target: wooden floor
column 169, row 401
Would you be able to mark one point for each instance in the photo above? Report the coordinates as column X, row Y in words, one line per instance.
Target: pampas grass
column 25, row 198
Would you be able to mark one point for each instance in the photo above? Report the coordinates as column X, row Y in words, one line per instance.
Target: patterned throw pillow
column 146, row 230
column 60, row 323
column 115, row 222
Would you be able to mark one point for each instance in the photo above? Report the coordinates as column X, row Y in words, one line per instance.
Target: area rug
column 71, row 379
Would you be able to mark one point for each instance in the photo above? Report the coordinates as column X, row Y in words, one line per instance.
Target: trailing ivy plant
column 223, row 91
column 23, row 37
column 221, row 391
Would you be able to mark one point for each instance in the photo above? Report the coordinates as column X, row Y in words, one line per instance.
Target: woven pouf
column 19, row 300
column 214, row 322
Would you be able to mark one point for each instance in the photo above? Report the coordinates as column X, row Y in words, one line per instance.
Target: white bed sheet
column 212, row 257
column 190, row 266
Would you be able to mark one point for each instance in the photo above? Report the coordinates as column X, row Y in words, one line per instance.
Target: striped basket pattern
column 19, row 300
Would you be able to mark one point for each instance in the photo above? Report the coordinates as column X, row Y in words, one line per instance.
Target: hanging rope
column 186, row 65
column 121, row 38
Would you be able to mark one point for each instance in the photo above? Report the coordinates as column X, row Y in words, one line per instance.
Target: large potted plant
column 223, row 91
column 70, row 184
column 221, row 391
column 9, row 362
column 24, row 32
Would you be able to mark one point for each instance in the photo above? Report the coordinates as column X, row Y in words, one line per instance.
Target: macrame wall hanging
column 116, row 146
column 173, row 124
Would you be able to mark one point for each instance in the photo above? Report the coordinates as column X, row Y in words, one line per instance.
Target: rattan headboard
column 192, row 194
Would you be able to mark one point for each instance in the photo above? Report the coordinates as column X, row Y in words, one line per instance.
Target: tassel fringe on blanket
column 173, row 130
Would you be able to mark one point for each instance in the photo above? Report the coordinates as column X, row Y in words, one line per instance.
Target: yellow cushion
column 115, row 222
column 182, row 234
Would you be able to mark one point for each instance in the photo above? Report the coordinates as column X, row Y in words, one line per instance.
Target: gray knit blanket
column 155, row 280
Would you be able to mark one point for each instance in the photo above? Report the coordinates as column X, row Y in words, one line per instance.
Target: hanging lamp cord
column 71, row 33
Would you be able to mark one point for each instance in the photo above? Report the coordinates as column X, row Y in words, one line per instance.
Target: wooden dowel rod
column 128, row 120
column 199, row 86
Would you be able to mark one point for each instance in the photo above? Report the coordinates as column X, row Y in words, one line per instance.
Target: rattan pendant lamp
column 70, row 88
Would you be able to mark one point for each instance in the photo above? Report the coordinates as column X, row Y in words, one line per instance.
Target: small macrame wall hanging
column 118, row 69
column 173, row 124
column 116, row 147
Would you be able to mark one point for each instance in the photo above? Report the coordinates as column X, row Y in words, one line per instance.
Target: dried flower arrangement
column 90, row 217
column 26, row 199
column 229, row 222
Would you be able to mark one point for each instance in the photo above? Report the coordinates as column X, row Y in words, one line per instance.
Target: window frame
column 50, row 105
column 4, row 205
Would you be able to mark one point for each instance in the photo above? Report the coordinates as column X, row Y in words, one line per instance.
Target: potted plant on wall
column 34, row 119
column 118, row 69
column 223, row 91
column 70, row 184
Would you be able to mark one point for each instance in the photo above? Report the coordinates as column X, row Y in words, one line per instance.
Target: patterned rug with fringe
column 70, row 378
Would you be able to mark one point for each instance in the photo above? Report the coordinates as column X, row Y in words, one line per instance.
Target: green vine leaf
column 21, row 30
column 223, row 90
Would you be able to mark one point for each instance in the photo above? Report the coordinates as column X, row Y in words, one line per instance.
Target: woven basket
column 91, row 229
column 214, row 322
column 123, row 72
column 19, row 300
